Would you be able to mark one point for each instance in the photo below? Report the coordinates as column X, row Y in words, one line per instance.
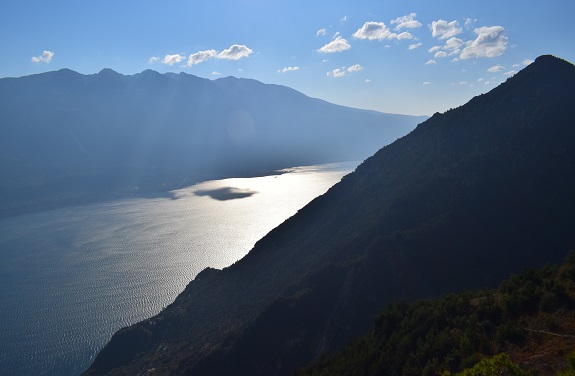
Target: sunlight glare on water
column 71, row 277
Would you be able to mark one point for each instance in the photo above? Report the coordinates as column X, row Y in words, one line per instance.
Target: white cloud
column 495, row 69
column 510, row 73
column 443, row 29
column 46, row 57
column 374, row 31
column 339, row 44
column 406, row 22
column 440, row 54
column 404, row 35
column 379, row 31
column 154, row 59
column 288, row 69
column 339, row 72
column 367, row 80
column 434, row 49
column 342, row 72
column 526, row 62
column 462, row 83
column 321, row 32
column 200, row 57
column 355, row 68
column 426, row 83
column 480, row 79
column 215, row 73
column 325, row 61
column 490, row 42
column 430, row 62
column 235, row 52
column 453, row 44
column 414, row 46
column 344, row 19
column 469, row 22
column 172, row 59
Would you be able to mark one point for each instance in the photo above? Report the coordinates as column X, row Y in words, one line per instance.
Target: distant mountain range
column 464, row 200
column 68, row 137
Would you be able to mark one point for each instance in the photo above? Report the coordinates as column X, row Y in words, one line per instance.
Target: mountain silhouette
column 464, row 200
column 68, row 137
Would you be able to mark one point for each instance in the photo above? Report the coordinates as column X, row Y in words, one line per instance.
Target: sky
column 412, row 57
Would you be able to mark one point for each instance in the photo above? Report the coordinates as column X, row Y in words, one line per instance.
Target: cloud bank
column 235, row 52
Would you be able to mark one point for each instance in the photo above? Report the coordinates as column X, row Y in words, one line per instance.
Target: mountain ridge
column 73, row 137
column 439, row 204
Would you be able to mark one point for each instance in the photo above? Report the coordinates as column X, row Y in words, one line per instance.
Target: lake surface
column 71, row 277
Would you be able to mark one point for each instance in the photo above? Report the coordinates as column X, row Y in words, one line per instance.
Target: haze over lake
column 71, row 277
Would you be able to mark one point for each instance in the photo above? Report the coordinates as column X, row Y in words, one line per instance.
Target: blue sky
column 402, row 56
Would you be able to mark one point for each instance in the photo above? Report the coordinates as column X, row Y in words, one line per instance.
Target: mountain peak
column 107, row 72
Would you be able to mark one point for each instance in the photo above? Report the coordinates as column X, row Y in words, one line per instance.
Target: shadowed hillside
column 467, row 198
column 530, row 318
column 68, row 137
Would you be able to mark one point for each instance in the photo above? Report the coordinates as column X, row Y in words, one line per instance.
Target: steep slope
column 465, row 199
column 68, row 136
column 530, row 318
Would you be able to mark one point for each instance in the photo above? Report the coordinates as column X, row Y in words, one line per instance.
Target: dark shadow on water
column 225, row 193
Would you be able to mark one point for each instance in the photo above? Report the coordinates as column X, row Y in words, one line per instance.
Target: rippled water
column 69, row 278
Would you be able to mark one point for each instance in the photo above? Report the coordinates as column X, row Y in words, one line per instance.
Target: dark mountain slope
column 67, row 136
column 467, row 198
column 530, row 318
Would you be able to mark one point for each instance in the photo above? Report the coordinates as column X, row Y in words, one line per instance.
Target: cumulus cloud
column 426, row 83
column 339, row 44
column 379, row 31
column 490, row 42
column 406, row 22
column 440, row 54
column 495, row 69
column 338, row 72
column 453, row 44
column 526, row 62
column 510, row 73
column 216, row 73
column 235, row 52
column 367, row 80
column 200, row 57
column 372, row 30
column 154, row 59
column 414, row 46
column 46, row 57
column 344, row 19
column 355, row 68
column 321, row 32
column 430, row 62
column 288, row 69
column 443, row 29
column 172, row 59
column 434, row 49
column 343, row 71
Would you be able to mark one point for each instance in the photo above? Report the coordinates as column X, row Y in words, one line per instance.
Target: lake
column 71, row 277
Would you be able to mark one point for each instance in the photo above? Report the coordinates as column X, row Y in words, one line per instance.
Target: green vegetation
column 496, row 365
column 470, row 332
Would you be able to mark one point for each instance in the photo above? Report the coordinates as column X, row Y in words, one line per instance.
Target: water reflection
column 225, row 193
